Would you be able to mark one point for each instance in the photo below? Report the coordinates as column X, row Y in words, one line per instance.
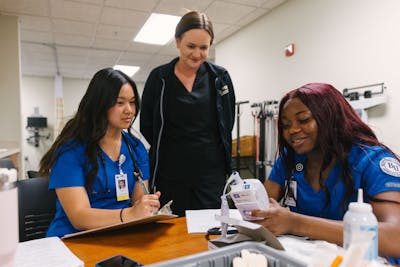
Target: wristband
column 120, row 215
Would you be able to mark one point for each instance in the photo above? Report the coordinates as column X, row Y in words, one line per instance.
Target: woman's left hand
column 277, row 219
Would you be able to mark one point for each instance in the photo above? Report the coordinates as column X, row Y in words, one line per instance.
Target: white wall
column 345, row 43
column 40, row 92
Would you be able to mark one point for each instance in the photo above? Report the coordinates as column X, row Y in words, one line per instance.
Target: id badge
column 291, row 194
column 121, row 185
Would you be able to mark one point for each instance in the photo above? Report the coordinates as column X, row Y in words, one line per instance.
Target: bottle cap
column 360, row 206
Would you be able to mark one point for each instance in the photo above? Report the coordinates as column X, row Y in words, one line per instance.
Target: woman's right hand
column 147, row 205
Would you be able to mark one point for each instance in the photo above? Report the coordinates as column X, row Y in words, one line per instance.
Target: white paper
column 304, row 249
column 46, row 252
column 199, row 221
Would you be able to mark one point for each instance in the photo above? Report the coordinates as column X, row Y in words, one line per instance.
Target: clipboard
column 148, row 219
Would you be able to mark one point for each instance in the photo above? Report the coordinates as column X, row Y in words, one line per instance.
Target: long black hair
column 90, row 123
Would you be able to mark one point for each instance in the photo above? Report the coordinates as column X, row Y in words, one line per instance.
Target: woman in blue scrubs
column 326, row 153
column 94, row 153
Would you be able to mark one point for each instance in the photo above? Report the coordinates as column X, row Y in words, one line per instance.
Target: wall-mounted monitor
column 37, row 122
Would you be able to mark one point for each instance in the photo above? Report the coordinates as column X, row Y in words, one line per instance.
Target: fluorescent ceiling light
column 158, row 29
column 128, row 70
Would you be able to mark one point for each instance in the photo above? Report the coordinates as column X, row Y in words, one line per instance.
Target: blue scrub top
column 374, row 169
column 69, row 171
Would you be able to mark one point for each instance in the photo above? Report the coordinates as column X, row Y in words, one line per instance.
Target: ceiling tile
column 88, row 35
column 73, row 71
column 160, row 60
column 222, row 12
column 111, row 44
column 39, row 63
column 272, row 3
column 41, row 58
column 35, row 23
column 26, row 7
column 72, row 40
column 65, row 50
column 73, row 27
column 35, row 36
column 115, row 32
column 75, row 11
column 94, row 65
column 36, row 48
column 123, row 17
column 180, row 7
column 39, row 70
column 90, row 70
column 143, row 48
column 71, row 59
column 104, row 55
column 249, row 18
column 131, row 58
column 93, row 2
column 255, row 3
column 140, row 5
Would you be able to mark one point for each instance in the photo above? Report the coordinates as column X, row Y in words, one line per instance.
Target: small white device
column 248, row 195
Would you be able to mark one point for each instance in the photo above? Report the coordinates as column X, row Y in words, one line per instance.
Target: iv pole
column 238, row 133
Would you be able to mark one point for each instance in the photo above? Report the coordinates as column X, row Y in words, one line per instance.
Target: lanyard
column 290, row 194
column 135, row 165
column 103, row 162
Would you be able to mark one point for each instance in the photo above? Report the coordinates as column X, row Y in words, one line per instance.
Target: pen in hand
column 143, row 185
column 139, row 176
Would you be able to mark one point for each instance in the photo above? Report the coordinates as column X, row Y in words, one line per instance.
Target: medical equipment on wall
column 36, row 123
column 247, row 194
column 362, row 98
column 265, row 115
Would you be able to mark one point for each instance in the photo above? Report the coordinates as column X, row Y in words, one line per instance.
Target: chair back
column 33, row 174
column 36, row 208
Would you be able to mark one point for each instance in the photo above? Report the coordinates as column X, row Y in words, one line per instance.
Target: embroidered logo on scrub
column 390, row 166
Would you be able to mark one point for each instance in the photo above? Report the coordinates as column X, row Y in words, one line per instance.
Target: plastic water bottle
column 360, row 226
column 9, row 218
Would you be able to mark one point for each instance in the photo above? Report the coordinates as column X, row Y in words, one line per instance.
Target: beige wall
column 10, row 115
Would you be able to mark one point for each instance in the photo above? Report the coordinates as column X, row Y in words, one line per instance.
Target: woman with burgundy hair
column 326, row 153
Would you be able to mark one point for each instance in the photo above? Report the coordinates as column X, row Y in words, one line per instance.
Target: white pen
column 143, row 185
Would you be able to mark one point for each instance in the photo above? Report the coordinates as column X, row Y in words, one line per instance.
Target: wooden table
column 145, row 243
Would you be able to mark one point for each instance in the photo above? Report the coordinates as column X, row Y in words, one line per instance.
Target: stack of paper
column 45, row 252
column 199, row 221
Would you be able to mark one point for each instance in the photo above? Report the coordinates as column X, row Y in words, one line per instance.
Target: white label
column 357, row 234
column 390, row 166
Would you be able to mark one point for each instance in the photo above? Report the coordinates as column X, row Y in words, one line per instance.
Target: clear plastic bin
column 223, row 257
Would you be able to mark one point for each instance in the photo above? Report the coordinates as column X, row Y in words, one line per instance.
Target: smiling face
column 193, row 46
column 299, row 128
column 121, row 114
